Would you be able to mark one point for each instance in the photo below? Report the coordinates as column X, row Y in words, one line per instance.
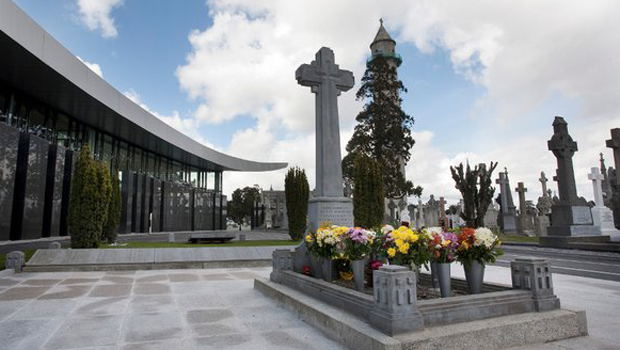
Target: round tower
column 384, row 46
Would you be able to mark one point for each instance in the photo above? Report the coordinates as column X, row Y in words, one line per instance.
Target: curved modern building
column 51, row 103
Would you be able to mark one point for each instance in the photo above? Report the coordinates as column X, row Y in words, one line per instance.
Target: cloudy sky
column 485, row 78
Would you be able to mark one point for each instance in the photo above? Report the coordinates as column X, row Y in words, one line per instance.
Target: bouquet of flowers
column 443, row 245
column 481, row 245
column 326, row 239
column 405, row 246
column 357, row 242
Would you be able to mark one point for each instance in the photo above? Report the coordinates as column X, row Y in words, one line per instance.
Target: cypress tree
column 110, row 232
column 296, row 191
column 383, row 131
column 84, row 202
column 368, row 192
column 104, row 194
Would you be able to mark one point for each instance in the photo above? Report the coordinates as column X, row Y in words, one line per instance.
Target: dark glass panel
column 62, row 130
column 4, row 105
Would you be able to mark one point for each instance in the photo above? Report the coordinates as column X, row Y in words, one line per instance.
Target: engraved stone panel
column 59, row 172
column 156, row 193
column 34, row 200
column 335, row 211
column 582, row 216
column 9, row 139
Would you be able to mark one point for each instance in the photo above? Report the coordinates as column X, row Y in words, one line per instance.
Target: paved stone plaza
column 174, row 309
column 212, row 309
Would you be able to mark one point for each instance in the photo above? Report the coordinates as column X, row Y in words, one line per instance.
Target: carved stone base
column 332, row 210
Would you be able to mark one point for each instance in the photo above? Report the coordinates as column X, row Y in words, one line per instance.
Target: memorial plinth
column 327, row 81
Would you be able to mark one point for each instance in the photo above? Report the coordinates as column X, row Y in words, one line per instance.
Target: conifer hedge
column 296, row 191
column 368, row 193
column 91, row 190
column 110, row 232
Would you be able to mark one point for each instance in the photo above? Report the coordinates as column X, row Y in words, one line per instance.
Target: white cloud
column 96, row 15
column 93, row 66
column 522, row 53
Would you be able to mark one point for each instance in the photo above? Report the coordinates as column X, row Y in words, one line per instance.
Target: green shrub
column 88, row 201
column 296, row 191
column 368, row 194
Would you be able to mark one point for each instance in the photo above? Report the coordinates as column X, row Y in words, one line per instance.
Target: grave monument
column 524, row 221
column 614, row 202
column 507, row 215
column 601, row 215
column 571, row 215
column 326, row 80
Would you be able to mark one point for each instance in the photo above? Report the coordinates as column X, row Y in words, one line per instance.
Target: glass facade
column 29, row 115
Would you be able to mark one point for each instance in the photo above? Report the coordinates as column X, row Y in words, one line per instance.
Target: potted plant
column 357, row 247
column 443, row 248
column 477, row 248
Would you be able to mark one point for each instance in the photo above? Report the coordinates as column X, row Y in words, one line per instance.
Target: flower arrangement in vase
column 477, row 247
column 443, row 247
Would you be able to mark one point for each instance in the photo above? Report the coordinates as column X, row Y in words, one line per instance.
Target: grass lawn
column 190, row 245
column 29, row 254
column 518, row 239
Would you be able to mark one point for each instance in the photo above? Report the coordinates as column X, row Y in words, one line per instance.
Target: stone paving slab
column 139, row 310
column 148, row 258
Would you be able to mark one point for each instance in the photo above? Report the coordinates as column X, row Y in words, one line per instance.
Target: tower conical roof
column 382, row 34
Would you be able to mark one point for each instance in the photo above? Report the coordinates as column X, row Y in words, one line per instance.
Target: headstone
column 525, row 227
column 431, row 213
column 54, row 245
column 15, row 260
column 601, row 215
column 543, row 181
column 443, row 219
column 412, row 215
column 614, row 144
column 570, row 216
column 421, row 221
column 171, row 237
column 490, row 217
column 507, row 217
column 327, row 81
column 606, row 184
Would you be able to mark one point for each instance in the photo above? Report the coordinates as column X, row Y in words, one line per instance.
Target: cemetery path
column 598, row 265
column 599, row 298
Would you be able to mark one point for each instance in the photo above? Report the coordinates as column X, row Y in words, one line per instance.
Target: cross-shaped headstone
column 502, row 182
column 597, row 188
column 326, row 81
column 563, row 148
column 521, row 190
column 543, row 180
column 614, row 144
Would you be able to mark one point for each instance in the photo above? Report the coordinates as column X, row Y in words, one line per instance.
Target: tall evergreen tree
column 297, row 192
column 110, row 232
column 88, row 200
column 368, row 194
column 383, row 131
